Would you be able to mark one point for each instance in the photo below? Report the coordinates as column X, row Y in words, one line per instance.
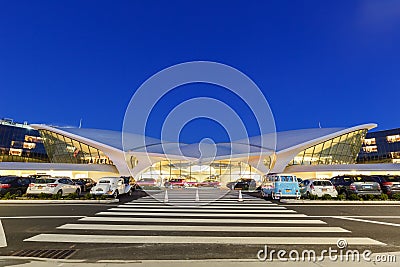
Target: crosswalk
column 212, row 216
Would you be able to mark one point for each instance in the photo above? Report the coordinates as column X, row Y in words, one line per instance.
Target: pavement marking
column 368, row 221
column 355, row 216
column 192, row 201
column 186, row 228
column 225, row 207
column 341, row 205
column 382, row 217
column 41, row 217
column 123, row 239
column 205, row 210
column 3, row 239
column 172, row 214
column 201, row 220
column 201, row 204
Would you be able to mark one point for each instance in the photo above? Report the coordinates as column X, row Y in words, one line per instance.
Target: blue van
column 277, row 186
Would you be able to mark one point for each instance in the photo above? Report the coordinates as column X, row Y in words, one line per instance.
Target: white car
column 53, row 185
column 111, row 186
column 317, row 187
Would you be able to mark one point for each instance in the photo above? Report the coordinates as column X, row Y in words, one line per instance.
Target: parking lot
column 144, row 228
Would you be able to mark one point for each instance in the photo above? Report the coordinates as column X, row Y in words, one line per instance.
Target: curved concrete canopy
column 289, row 143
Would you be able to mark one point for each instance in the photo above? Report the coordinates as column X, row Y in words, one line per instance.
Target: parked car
column 209, row 183
column 14, row 185
column 33, row 177
column 390, row 184
column 53, row 185
column 277, row 186
column 144, row 183
column 112, row 186
column 317, row 187
column 175, row 182
column 85, row 183
column 242, row 184
column 356, row 184
column 191, row 182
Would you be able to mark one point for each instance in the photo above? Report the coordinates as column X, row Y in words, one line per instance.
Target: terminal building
column 307, row 153
column 381, row 147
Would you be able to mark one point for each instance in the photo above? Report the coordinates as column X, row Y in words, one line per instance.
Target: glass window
column 369, row 141
column 62, row 149
column 393, row 138
column 339, row 150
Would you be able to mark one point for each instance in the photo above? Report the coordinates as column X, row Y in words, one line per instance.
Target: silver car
column 317, row 187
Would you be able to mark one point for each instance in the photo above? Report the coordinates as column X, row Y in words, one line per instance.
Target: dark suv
column 356, row 184
column 13, row 184
column 242, row 184
column 390, row 184
column 85, row 183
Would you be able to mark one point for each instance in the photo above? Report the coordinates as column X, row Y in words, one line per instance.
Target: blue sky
column 333, row 62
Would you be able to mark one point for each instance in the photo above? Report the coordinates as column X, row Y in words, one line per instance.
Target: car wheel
column 130, row 192
column 59, row 192
column 273, row 195
column 263, row 195
column 308, row 195
column 115, row 195
column 18, row 193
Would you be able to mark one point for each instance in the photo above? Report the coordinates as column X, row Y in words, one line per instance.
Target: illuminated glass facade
column 339, row 150
column 62, row 149
column 222, row 171
column 381, row 147
column 20, row 143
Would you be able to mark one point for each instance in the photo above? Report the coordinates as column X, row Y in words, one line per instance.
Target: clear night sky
column 334, row 62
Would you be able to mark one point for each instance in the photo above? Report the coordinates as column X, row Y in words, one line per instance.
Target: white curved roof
column 285, row 140
column 288, row 145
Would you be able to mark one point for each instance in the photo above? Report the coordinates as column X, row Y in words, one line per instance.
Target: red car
column 175, row 183
column 209, row 183
column 191, row 182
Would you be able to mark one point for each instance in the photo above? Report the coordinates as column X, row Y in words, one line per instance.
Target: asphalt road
column 144, row 228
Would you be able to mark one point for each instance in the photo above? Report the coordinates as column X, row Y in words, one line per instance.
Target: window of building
column 369, row 141
column 20, row 143
column 393, row 138
column 370, row 149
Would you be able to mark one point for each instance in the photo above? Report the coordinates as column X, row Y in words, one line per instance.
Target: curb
column 50, row 201
column 366, row 202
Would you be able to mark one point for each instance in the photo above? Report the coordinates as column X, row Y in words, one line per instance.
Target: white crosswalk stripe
column 224, row 221
column 191, row 228
column 227, row 222
column 107, row 239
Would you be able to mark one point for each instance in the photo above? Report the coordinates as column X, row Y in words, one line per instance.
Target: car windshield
column 44, row 181
column 5, row 180
column 363, row 179
column 392, row 178
column 368, row 179
column 322, row 183
column 286, row 178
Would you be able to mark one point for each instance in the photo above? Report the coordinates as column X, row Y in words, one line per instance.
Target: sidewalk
column 194, row 263
column 61, row 201
column 339, row 202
